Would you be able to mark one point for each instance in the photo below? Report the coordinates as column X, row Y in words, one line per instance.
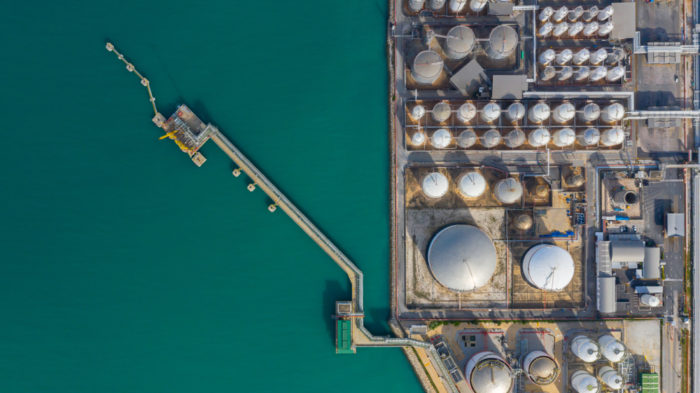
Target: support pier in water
column 190, row 133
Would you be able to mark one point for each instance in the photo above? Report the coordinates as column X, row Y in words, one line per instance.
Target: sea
column 123, row 266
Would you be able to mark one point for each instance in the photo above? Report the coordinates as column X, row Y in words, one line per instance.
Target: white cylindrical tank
column 441, row 112
column 435, row 185
column 477, row 5
column 615, row 56
column 564, row 113
column 491, row 138
column 590, row 14
column 466, row 112
column 583, row 382
column 605, row 29
column 515, row 112
column 582, row 73
column 590, row 137
column 566, row 73
column 508, row 190
column 590, row 112
column 502, row 42
column 564, row 137
column 610, row 377
column 599, row 56
column 545, row 14
column 418, row 138
column 598, row 74
column 459, row 42
column 585, row 349
column 457, row 5
column 612, row 137
column 540, row 367
column 539, row 137
column 581, row 56
column 546, row 29
column 437, row 5
column 491, row 112
column 548, row 267
column 417, row 112
column 514, row 139
column 590, row 29
column 612, row 113
column 416, row 5
column 427, row 67
column 574, row 14
column 472, row 184
column 466, row 139
column 560, row 29
column 538, row 112
column 615, row 74
column 560, row 14
column 605, row 13
column 612, row 348
column 575, row 29
column 650, row 300
column 547, row 57
column 487, row 372
column 564, row 57
column 441, row 138
column 548, row 73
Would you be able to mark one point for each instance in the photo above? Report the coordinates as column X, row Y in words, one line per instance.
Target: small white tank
column 515, row 112
column 539, row 137
column 615, row 74
column 441, row 112
column 611, row 348
column 560, row 14
column 610, row 377
column 466, row 112
column 560, row 29
column 538, row 112
column 466, row 139
column 415, row 5
column 545, row 30
column 548, row 73
column 564, row 57
column 605, row 13
column 477, row 5
column 590, row 112
column 564, row 113
column 575, row 29
column 545, row 14
column 574, row 14
column 582, row 73
column 491, row 112
column 457, row 5
column 418, row 138
column 612, row 113
column 581, row 56
column 605, row 29
column 583, row 382
column 598, row 74
column 417, row 112
column 612, row 137
column 547, row 57
column 508, row 190
column 650, row 300
column 437, row 5
column 566, row 73
column 441, row 138
column 585, row 349
column 599, row 56
column 472, row 184
column 590, row 14
column 590, row 137
column 564, row 137
column 590, row 29
column 435, row 185
column 491, row 138
column 514, row 138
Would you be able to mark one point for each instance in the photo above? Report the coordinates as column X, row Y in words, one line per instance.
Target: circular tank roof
column 516, row 111
column 491, row 112
column 591, row 136
column 564, row 112
column 466, row 139
column 491, row 376
column 543, row 370
column 462, row 257
column 472, row 184
column 564, row 137
column 613, row 136
column 503, row 40
column 418, row 138
column 441, row 138
column 441, row 112
column 591, row 112
column 539, row 137
column 460, row 41
column 466, row 112
column 427, row 66
column 417, row 112
column 523, row 222
column 435, row 185
column 491, row 138
column 515, row 138
column 508, row 190
column 548, row 267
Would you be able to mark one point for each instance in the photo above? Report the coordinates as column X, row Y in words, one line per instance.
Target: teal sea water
column 124, row 267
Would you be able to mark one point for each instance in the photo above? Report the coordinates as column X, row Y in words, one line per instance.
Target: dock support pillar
column 251, row 187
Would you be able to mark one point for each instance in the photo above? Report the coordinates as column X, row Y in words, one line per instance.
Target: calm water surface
column 127, row 269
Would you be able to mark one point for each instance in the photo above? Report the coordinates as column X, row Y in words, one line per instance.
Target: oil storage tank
column 427, row 67
column 487, row 372
column 502, row 42
column 541, row 368
column 585, row 349
column 610, row 377
column 583, row 382
column 611, row 348
column 435, row 185
column 459, row 42
column 472, row 184
column 548, row 267
column 508, row 190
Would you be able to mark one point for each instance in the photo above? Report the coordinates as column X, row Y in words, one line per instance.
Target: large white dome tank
column 538, row 112
column 466, row 112
column 435, row 185
column 441, row 138
column 418, row 138
column 564, row 137
column 427, row 67
column 590, row 137
column 508, row 190
column 459, row 42
column 491, row 138
column 612, row 137
column 564, row 57
column 415, row 5
column 472, row 184
column 564, row 113
column 548, row 73
column 457, row 5
column 585, row 349
column 590, row 112
column 612, row 113
column 515, row 112
column 583, row 382
column 466, row 139
column 502, row 42
column 514, row 138
column 611, row 348
column 560, row 14
column 548, row 267
column 650, row 300
column 610, row 377
column 441, row 112
column 487, row 372
column 566, row 73
column 491, row 112
column 540, row 367
column 539, row 137
column 545, row 14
